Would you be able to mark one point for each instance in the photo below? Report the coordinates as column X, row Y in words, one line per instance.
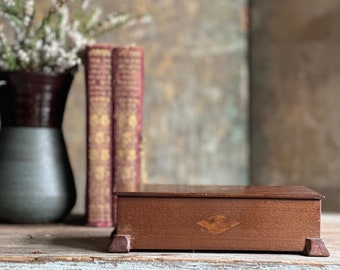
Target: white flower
column 47, row 69
column 65, row 16
column 27, row 21
column 94, row 18
column 29, row 11
column 85, row 4
column 79, row 40
column 55, row 43
column 23, row 56
column 9, row 3
column 29, row 8
column 38, row 45
column 20, row 35
column 3, row 64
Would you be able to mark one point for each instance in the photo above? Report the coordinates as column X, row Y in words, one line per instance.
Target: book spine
column 98, row 79
column 128, row 80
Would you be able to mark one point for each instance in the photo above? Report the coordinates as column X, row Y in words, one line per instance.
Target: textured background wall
column 295, row 95
column 196, row 92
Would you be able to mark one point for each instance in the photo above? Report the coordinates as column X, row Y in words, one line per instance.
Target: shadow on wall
column 295, row 99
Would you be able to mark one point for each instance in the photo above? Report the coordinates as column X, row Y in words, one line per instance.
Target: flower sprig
column 55, row 44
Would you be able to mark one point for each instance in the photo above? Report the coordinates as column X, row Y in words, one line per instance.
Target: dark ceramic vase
column 36, row 180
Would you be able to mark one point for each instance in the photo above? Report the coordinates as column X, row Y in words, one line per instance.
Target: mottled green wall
column 196, row 92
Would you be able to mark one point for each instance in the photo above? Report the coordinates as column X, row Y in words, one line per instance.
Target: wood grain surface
column 163, row 223
column 77, row 247
column 213, row 191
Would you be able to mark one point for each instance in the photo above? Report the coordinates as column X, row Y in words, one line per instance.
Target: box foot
column 120, row 243
column 315, row 247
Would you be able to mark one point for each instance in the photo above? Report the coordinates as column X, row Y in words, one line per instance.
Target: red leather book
column 98, row 79
column 114, row 83
column 128, row 76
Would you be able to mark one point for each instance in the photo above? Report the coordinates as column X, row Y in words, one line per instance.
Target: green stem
column 53, row 11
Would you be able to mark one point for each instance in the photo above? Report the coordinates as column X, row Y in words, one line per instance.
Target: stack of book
column 114, row 88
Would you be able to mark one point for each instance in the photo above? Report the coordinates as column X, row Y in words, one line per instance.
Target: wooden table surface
column 61, row 246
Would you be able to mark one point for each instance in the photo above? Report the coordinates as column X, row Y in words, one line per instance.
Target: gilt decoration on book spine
column 128, row 79
column 98, row 77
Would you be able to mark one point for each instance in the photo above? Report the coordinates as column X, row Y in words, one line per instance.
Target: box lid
column 260, row 192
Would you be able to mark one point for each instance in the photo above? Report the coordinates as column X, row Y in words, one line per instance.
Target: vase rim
column 34, row 99
column 70, row 71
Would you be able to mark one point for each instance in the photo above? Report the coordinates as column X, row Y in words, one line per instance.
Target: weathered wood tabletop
column 61, row 246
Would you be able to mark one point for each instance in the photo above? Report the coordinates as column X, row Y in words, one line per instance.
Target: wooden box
column 219, row 218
